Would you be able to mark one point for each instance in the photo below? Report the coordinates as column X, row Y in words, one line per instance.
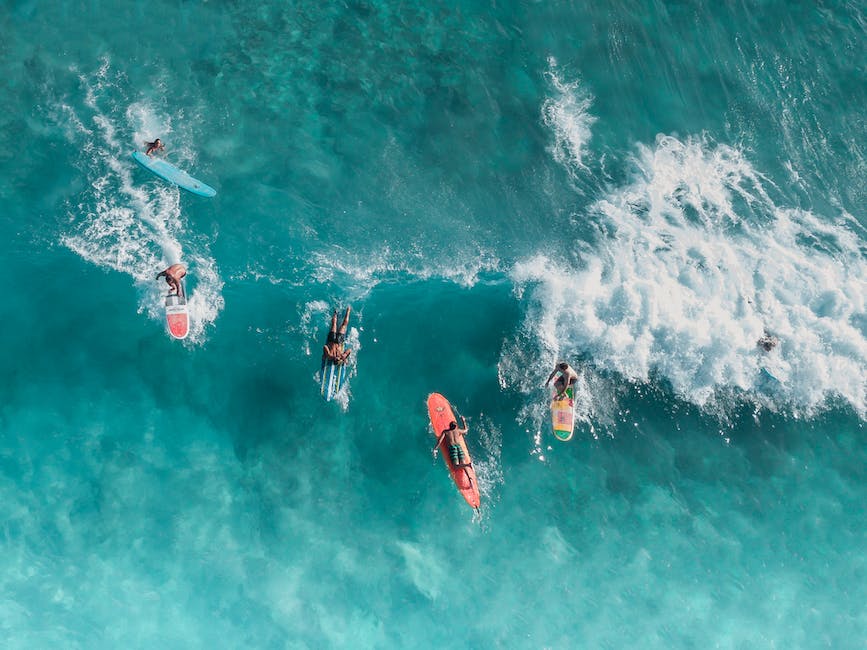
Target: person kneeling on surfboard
column 333, row 349
column 156, row 145
column 567, row 377
column 454, row 435
column 173, row 276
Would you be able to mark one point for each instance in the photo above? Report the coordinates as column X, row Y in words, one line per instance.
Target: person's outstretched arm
column 439, row 441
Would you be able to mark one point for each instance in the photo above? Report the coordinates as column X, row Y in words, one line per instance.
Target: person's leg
column 455, row 455
column 345, row 322
column 333, row 329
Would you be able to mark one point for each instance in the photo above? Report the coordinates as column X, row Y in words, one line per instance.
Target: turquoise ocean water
column 641, row 188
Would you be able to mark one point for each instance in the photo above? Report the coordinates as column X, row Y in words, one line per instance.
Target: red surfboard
column 177, row 315
column 441, row 415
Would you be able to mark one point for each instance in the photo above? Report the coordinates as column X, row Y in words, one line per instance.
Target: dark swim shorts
column 456, row 454
column 336, row 337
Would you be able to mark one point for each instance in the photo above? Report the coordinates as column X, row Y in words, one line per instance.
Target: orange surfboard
column 441, row 415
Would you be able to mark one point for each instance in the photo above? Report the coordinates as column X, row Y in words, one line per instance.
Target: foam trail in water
column 131, row 228
column 567, row 115
column 486, row 448
column 700, row 262
column 363, row 273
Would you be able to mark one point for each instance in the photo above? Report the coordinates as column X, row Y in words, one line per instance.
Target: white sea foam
column 487, row 460
column 146, row 124
column 363, row 273
column 567, row 115
column 206, row 299
column 65, row 117
column 314, row 314
column 700, row 261
column 132, row 228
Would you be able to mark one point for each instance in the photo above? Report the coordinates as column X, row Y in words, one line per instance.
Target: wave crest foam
column 698, row 263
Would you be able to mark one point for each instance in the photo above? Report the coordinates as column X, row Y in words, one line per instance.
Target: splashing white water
column 364, row 274
column 567, row 115
column 488, row 465
column 699, row 263
column 132, row 228
column 353, row 342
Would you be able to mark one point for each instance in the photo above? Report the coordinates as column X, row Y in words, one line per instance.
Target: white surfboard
column 177, row 314
column 332, row 378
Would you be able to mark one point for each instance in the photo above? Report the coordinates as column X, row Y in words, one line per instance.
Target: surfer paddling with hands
column 156, row 145
column 451, row 438
column 333, row 349
column 567, row 377
column 173, row 276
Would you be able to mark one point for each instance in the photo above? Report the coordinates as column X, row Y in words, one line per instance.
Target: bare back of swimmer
column 173, row 276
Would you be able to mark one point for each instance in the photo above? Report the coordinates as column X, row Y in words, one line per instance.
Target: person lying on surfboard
column 173, row 276
column 156, row 145
column 333, row 349
column 567, row 377
column 454, row 436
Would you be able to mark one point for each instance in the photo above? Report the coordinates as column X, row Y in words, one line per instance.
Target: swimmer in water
column 156, row 145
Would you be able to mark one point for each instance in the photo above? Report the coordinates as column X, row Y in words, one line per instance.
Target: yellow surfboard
column 563, row 414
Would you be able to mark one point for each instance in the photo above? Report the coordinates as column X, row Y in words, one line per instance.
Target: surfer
column 454, row 435
column 767, row 342
column 156, row 145
column 567, row 377
column 173, row 276
column 333, row 349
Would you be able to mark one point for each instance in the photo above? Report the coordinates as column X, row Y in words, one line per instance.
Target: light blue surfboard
column 172, row 174
column 333, row 376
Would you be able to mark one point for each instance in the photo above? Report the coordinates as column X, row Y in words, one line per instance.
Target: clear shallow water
column 642, row 190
